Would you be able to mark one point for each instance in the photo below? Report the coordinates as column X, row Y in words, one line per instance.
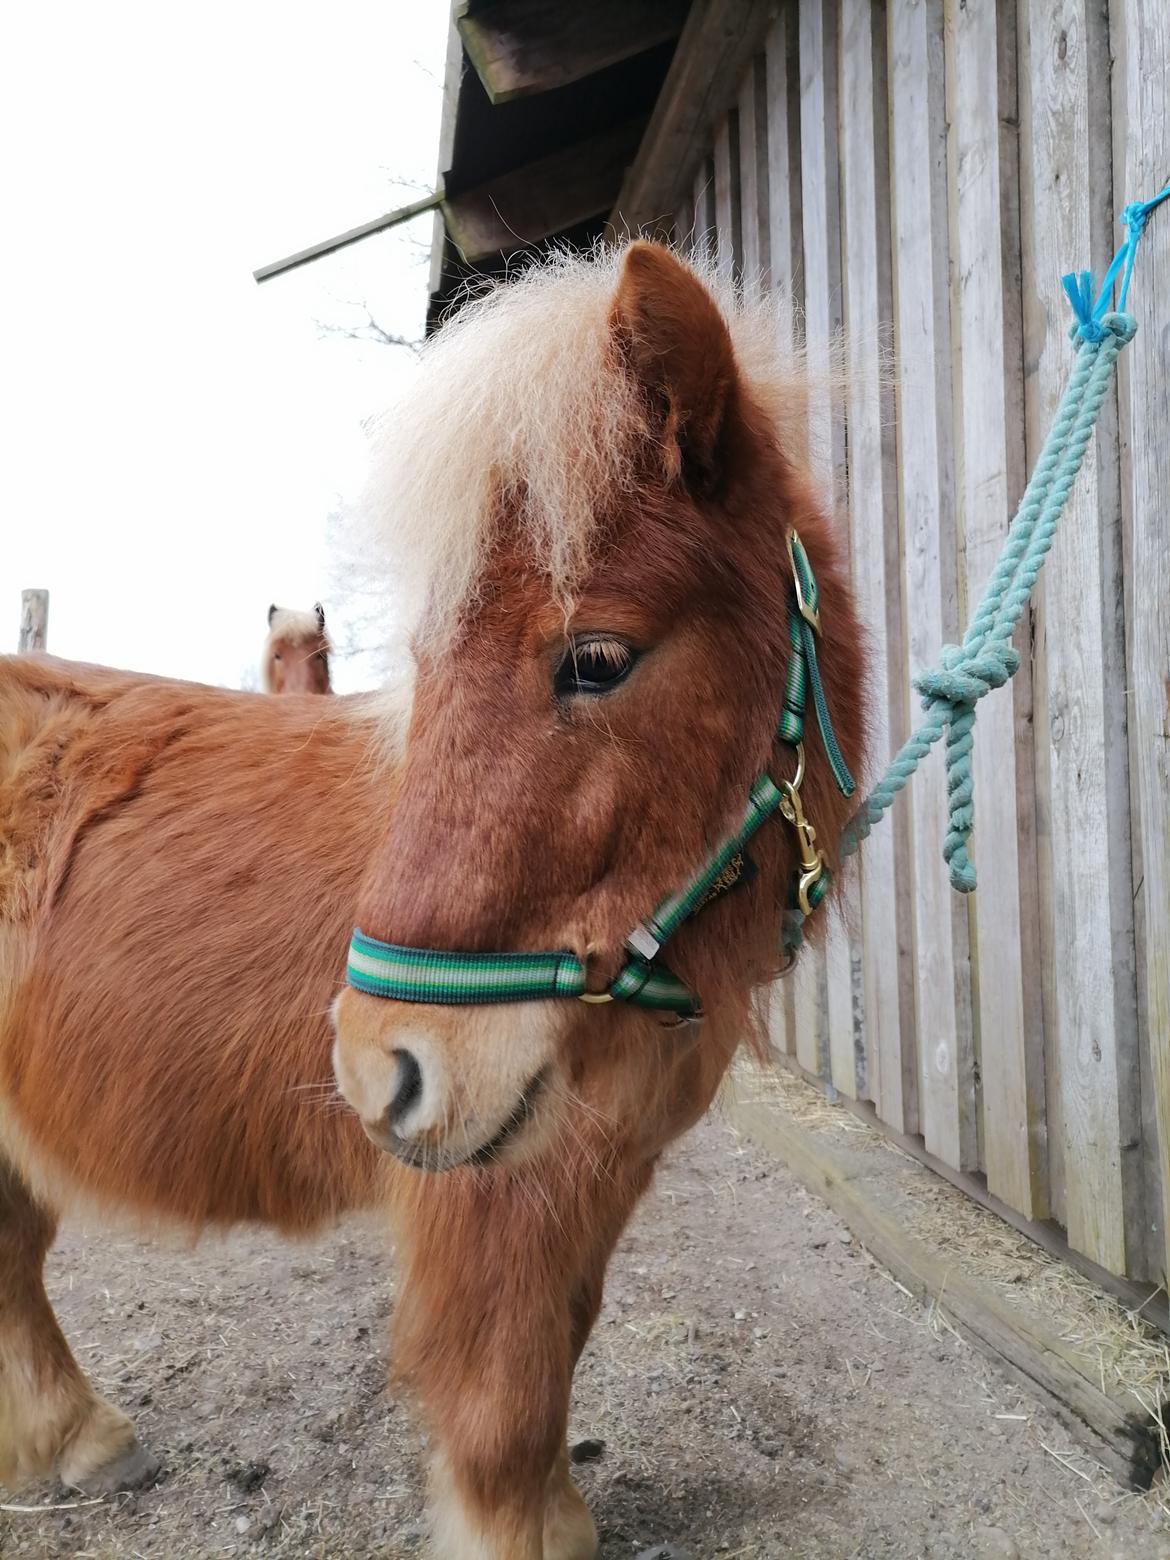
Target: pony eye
column 593, row 664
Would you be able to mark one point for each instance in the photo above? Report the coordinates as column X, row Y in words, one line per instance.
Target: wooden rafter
column 719, row 39
column 522, row 47
column 528, row 204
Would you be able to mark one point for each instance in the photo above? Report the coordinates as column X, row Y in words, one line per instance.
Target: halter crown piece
column 429, row 975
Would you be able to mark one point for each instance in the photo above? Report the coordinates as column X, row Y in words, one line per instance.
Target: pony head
column 588, row 500
column 295, row 658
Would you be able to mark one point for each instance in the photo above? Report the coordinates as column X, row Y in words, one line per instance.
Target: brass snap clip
column 812, row 859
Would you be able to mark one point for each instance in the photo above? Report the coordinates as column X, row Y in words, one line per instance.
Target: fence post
column 34, row 620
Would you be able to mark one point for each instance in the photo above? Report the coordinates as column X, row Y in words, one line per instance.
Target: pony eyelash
column 613, row 652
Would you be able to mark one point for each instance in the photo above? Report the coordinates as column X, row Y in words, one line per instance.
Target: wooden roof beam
column 529, row 204
column 719, row 39
column 522, row 47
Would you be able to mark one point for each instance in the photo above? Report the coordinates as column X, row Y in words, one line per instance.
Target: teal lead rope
column 986, row 658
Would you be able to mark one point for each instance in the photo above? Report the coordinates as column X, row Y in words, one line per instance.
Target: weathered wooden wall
column 929, row 169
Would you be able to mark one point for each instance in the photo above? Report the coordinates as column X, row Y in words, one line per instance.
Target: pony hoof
column 133, row 1469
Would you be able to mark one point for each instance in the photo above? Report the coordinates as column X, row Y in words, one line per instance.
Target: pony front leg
column 553, row 1524
column 50, row 1416
column 484, row 1339
column 498, row 1412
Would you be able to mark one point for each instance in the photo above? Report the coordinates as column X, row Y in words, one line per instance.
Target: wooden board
column 752, row 116
column 809, row 1034
column 887, row 914
column 779, row 1016
column 820, row 205
column 683, row 229
column 1140, row 35
column 544, row 197
column 926, row 489
column 520, row 47
column 703, row 206
column 990, row 459
column 452, row 81
column 728, row 240
column 804, row 988
column 785, row 221
column 1080, row 733
column 34, row 621
column 1021, row 1342
column 718, row 40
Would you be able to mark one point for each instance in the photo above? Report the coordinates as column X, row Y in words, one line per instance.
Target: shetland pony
column 588, row 498
column 295, row 658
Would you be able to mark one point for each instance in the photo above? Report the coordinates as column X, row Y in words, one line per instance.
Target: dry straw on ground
column 1126, row 1354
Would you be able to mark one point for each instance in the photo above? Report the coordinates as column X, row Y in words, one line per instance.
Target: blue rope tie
column 986, row 659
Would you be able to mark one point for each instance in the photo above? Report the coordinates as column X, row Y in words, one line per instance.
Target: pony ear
column 320, row 611
column 271, row 613
column 678, row 346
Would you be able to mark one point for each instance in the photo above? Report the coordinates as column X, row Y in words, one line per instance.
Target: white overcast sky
column 174, row 436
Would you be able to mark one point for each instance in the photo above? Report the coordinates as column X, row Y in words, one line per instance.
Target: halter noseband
column 428, row 975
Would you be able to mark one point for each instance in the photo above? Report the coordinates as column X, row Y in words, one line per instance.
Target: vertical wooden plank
column 729, row 250
column 703, row 241
column 753, row 178
column 781, row 1026
column 809, row 1039
column 820, row 204
column 990, row 459
column 1081, row 740
column 684, row 225
column 756, row 273
column 1140, row 35
column 803, row 989
column 885, row 882
column 785, row 221
column 34, row 621
column 926, row 489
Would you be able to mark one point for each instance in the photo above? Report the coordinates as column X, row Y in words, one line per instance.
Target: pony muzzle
column 440, row 1089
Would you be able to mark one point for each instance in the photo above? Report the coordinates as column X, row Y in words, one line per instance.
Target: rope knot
column 1123, row 326
column 963, row 678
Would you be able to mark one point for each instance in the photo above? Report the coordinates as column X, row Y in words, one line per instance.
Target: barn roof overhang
column 563, row 120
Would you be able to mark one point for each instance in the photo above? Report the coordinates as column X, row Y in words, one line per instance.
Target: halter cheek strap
column 432, row 976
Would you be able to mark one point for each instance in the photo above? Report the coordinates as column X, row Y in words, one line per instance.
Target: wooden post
column 926, row 475
column 34, row 620
column 989, row 420
column 887, row 911
column 817, row 21
column 1084, row 691
column 1142, row 148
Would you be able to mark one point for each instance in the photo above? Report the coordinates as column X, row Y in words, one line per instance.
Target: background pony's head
column 587, row 502
column 296, row 653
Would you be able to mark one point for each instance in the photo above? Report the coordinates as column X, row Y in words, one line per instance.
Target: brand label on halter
column 740, row 869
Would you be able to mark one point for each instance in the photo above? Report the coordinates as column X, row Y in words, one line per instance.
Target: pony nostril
column 409, row 1087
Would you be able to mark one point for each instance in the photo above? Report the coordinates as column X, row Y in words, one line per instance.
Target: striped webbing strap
column 455, row 979
column 804, row 624
column 428, row 975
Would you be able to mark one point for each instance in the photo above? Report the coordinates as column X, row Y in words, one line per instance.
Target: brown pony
column 591, row 489
column 295, row 658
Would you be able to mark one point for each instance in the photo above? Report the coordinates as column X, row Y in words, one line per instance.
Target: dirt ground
column 761, row 1387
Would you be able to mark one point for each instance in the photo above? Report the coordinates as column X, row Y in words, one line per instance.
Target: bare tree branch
column 367, row 330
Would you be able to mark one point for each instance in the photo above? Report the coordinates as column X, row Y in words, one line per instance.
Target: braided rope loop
column 986, row 659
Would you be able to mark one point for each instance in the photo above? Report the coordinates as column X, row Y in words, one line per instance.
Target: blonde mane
column 522, row 398
column 300, row 628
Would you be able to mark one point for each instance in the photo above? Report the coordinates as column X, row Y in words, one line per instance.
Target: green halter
column 429, row 975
